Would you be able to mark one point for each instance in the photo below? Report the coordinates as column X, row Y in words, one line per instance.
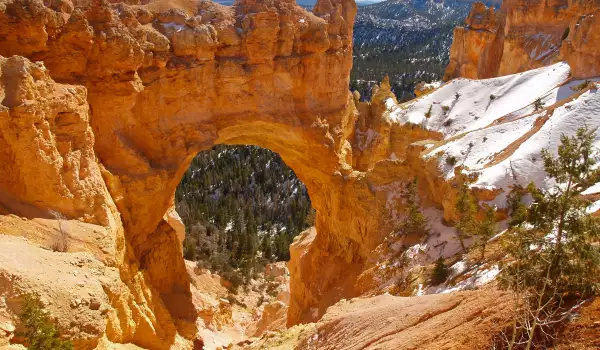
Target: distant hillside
column 242, row 207
column 408, row 40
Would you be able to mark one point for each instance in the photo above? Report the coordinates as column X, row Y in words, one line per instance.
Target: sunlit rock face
column 149, row 87
column 123, row 98
column 524, row 35
column 476, row 49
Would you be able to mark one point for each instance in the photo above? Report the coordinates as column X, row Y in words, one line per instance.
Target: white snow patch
column 481, row 102
column 592, row 190
column 594, row 207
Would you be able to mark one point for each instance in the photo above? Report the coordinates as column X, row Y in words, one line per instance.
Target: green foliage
column 40, row 332
column 440, row 272
column 551, row 244
column 415, row 224
column 242, row 207
column 428, row 113
column 451, row 160
column 517, row 209
column 466, row 225
column 582, row 86
column 538, row 104
column 486, row 229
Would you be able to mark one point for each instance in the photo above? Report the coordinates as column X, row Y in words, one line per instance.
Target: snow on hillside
column 480, row 102
column 501, row 137
column 525, row 164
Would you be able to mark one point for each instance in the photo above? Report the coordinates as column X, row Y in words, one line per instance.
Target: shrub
column 538, row 104
column 236, row 280
column 451, row 160
column 440, row 272
column 456, row 96
column 428, row 113
column 485, row 139
column 492, row 97
column 548, row 276
column 582, row 86
column 448, row 122
column 40, row 332
column 445, row 109
column 60, row 242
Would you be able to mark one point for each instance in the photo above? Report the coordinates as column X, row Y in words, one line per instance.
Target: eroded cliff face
column 162, row 84
column 125, row 96
column 526, row 35
column 476, row 49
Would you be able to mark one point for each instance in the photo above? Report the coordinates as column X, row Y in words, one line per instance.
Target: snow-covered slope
column 494, row 128
column 481, row 102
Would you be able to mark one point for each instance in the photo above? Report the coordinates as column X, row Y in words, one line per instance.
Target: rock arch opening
column 241, row 206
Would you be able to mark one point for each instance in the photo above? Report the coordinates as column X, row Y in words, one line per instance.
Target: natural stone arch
column 291, row 98
column 163, row 85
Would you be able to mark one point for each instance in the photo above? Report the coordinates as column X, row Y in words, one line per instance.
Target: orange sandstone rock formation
column 476, row 49
column 163, row 84
column 47, row 140
column 464, row 320
column 526, row 35
column 124, row 96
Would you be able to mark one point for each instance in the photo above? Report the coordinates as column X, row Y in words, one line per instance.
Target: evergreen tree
column 267, row 248
column 466, row 225
column 415, row 223
column 538, row 104
column 517, row 209
column 440, row 272
column 552, row 251
column 486, row 230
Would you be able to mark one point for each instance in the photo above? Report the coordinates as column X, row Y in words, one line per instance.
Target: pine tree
column 486, row 230
column 267, row 248
column 440, row 272
column 552, row 250
column 466, row 225
column 517, row 209
column 415, row 223
column 428, row 113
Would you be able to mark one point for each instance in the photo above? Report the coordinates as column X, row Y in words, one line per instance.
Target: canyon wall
column 104, row 105
column 524, row 35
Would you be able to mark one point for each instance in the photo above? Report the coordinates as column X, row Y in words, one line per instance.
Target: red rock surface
column 525, row 35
